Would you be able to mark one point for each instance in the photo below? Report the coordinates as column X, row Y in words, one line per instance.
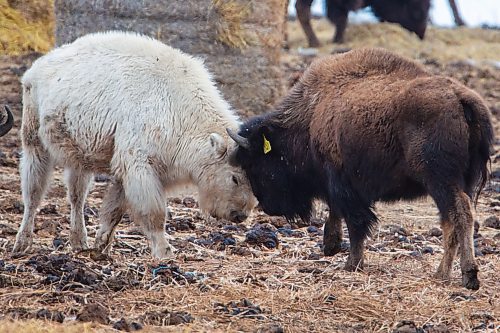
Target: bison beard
column 370, row 126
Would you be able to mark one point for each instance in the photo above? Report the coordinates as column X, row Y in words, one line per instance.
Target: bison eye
column 235, row 180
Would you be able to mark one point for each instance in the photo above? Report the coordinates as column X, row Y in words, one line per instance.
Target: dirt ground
column 263, row 275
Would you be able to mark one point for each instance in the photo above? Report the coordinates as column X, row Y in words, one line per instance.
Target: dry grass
column 294, row 291
column 440, row 44
column 231, row 15
column 26, row 26
column 33, row 326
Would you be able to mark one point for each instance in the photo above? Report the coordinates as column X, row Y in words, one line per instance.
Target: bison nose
column 237, row 216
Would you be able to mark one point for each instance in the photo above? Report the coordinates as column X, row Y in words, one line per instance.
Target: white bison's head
column 224, row 190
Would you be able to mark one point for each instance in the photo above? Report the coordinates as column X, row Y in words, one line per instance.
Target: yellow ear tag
column 267, row 145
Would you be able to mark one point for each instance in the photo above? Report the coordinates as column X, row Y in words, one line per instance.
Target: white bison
column 127, row 105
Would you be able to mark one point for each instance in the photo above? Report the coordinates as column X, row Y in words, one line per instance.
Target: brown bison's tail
column 477, row 116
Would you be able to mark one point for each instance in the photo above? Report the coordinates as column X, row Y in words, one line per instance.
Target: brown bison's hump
column 361, row 85
column 368, row 64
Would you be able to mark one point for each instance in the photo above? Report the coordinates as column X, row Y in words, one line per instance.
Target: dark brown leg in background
column 303, row 8
column 456, row 14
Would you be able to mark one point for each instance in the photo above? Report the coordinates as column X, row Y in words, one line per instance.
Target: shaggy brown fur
column 369, row 126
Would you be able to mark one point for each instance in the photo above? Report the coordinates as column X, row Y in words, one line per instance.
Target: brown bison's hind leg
column 464, row 228
column 332, row 235
column 458, row 229
column 450, row 244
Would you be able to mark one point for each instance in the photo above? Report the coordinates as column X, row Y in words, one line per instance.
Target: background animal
column 369, row 126
column 456, row 14
column 6, row 121
column 410, row 14
column 129, row 106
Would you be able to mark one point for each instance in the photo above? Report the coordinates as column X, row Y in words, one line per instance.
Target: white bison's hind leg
column 36, row 169
column 146, row 197
column 77, row 182
column 112, row 210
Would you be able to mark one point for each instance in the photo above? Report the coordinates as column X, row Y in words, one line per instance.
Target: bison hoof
column 353, row 265
column 166, row 253
column 78, row 244
column 330, row 251
column 443, row 276
column 470, row 280
column 23, row 243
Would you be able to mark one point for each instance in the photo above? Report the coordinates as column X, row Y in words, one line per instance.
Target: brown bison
column 6, row 121
column 369, row 126
column 410, row 14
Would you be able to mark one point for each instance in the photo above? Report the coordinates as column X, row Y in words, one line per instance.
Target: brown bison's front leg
column 332, row 235
column 358, row 231
column 355, row 261
column 303, row 8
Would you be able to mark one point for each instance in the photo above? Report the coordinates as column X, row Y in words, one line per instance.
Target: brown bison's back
column 370, row 63
column 358, row 93
column 367, row 106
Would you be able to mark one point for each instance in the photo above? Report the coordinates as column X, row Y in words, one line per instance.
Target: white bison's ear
column 218, row 144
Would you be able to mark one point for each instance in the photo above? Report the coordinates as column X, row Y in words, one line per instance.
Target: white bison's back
column 119, row 90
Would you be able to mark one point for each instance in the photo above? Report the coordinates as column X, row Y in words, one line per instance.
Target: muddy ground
column 263, row 275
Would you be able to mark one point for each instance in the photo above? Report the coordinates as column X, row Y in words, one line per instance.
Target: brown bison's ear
column 6, row 121
column 241, row 141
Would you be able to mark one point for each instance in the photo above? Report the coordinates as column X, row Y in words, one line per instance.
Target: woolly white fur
column 128, row 105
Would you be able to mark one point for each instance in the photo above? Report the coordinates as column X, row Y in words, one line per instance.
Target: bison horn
column 7, row 123
column 241, row 141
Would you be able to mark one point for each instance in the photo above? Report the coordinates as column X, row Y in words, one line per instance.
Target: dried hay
column 440, row 44
column 231, row 15
column 26, row 26
column 239, row 40
column 33, row 326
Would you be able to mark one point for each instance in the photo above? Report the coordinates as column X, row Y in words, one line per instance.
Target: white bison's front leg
column 154, row 228
column 146, row 197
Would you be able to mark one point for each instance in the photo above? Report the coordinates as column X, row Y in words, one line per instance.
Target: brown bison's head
column 279, row 166
column 6, row 121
